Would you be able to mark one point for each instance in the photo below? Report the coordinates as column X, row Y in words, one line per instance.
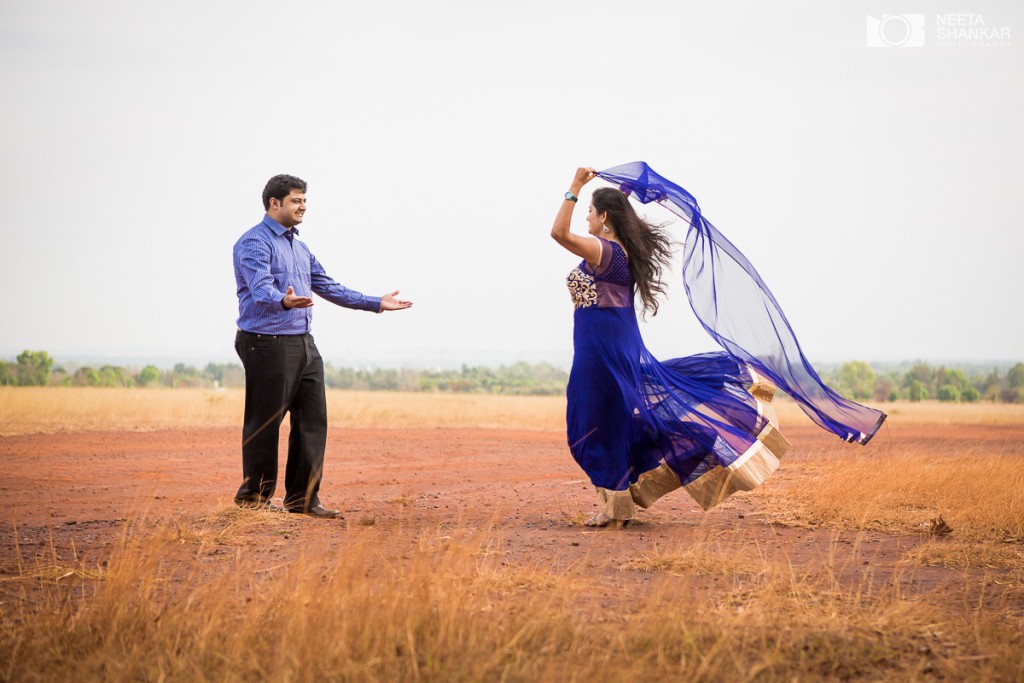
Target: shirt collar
column 277, row 227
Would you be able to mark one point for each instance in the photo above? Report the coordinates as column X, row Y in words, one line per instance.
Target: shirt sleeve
column 252, row 260
column 325, row 286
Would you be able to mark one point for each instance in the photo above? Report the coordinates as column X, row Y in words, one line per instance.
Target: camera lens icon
column 896, row 30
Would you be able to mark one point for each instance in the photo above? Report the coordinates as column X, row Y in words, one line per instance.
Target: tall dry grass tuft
column 979, row 494
column 970, row 553
column 700, row 558
column 453, row 606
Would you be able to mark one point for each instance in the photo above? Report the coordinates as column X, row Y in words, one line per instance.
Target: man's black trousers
column 283, row 373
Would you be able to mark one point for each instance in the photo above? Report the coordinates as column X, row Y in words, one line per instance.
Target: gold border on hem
column 653, row 484
column 761, row 388
column 748, row 472
column 617, row 504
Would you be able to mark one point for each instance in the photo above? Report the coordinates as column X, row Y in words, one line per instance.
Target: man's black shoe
column 317, row 510
column 257, row 503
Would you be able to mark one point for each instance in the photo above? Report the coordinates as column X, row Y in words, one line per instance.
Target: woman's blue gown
column 641, row 428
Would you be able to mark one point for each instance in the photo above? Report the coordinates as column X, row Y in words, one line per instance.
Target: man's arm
column 325, row 286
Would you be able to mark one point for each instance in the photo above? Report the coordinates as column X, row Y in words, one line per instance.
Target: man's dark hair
column 280, row 186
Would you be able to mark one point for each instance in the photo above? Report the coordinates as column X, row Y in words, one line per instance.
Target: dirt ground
column 68, row 497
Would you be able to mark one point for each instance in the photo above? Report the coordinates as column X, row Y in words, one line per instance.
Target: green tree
column 214, row 372
column 187, row 370
column 917, row 391
column 857, row 379
column 339, row 378
column 992, row 385
column 34, row 368
column 969, row 395
column 953, row 377
column 149, row 375
column 8, row 374
column 884, row 388
column 1015, row 376
column 59, row 377
column 922, row 374
column 115, row 376
column 86, row 377
column 948, row 392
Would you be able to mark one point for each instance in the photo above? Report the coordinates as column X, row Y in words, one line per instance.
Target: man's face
column 288, row 212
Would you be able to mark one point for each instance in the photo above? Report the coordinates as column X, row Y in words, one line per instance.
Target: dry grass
column 237, row 595
column 970, row 554
column 228, row 526
column 33, row 410
column 416, row 410
column 449, row 605
column 701, row 559
column 931, row 413
column 979, row 494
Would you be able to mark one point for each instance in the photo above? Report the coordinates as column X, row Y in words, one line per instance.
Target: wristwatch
column 571, row 197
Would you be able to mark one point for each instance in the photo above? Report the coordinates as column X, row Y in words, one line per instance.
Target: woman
column 638, row 427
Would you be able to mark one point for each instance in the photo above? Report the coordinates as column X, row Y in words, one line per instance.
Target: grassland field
column 461, row 555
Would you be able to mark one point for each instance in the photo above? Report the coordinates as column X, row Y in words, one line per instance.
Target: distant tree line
column 859, row 381
column 36, row 368
column 856, row 379
column 533, row 379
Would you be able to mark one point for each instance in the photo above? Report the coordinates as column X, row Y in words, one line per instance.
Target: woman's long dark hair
column 647, row 244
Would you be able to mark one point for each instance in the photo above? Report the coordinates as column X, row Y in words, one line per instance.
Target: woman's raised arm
column 588, row 248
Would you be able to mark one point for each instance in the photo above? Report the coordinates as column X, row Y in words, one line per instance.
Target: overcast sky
column 877, row 190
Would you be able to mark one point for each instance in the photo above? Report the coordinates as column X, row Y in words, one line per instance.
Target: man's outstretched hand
column 292, row 301
column 388, row 302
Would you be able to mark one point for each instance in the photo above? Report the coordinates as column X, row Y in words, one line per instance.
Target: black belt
column 257, row 335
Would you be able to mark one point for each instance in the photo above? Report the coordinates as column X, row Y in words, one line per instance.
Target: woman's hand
column 587, row 247
column 583, row 176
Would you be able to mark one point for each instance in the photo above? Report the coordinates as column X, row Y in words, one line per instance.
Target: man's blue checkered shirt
column 266, row 263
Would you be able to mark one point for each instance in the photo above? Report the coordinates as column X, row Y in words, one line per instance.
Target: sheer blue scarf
column 736, row 308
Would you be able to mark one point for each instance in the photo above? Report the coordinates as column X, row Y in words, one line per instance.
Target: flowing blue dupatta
column 737, row 309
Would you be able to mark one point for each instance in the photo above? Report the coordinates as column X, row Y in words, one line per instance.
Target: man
column 276, row 276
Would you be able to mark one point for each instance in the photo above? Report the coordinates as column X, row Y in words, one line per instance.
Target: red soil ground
column 67, row 496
